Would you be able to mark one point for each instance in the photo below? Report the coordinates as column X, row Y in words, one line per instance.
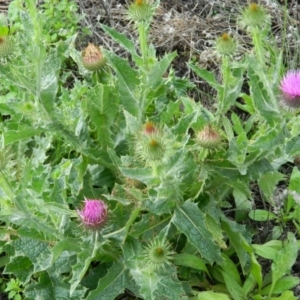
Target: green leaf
column 282, row 285
column 191, row 221
column 216, row 231
column 84, row 258
column 147, row 281
column 148, row 224
column 159, row 69
column 4, row 31
column 142, row 174
column 127, row 84
column 17, row 78
column 51, row 287
column 23, row 215
column 21, row 267
column 169, row 288
column 49, row 87
column 249, row 284
column 112, row 284
column 212, row 296
column 262, row 93
column 242, row 197
column 207, row 76
column 268, row 250
column 292, row 147
column 268, row 182
column 65, row 244
column 23, row 133
column 235, row 290
column 185, row 123
column 261, row 215
column 284, row 259
column 249, row 104
column 232, row 84
column 230, row 269
column 32, row 233
column 237, row 124
column 287, row 295
column 293, row 189
column 102, row 107
column 35, row 250
column 126, row 43
column 191, row 261
column 256, row 271
column 237, row 152
column 236, row 236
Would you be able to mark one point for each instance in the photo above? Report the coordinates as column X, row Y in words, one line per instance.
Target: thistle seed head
column 92, row 58
column 208, row 138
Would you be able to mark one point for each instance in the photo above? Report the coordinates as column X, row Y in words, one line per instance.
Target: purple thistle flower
column 94, row 214
column 290, row 88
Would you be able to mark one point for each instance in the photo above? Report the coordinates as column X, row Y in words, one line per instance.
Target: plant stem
column 6, row 186
column 131, row 220
column 226, row 82
column 142, row 29
column 259, row 50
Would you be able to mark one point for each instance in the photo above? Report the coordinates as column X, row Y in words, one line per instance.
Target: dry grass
column 190, row 28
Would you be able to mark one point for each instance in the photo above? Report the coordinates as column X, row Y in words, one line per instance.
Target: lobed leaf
column 191, row 221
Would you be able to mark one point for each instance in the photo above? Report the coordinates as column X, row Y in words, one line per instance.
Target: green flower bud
column 225, row 45
column 157, row 254
column 255, row 16
column 140, row 11
column 149, row 143
column 208, row 138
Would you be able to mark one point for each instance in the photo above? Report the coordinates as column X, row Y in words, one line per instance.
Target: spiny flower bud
column 94, row 214
column 154, row 149
column 140, row 11
column 290, row 88
column 6, row 46
column 208, row 138
column 255, row 16
column 151, row 145
column 157, row 254
column 225, row 45
column 92, row 58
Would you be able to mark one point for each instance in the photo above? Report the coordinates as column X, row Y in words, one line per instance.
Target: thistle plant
column 137, row 141
column 257, row 21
